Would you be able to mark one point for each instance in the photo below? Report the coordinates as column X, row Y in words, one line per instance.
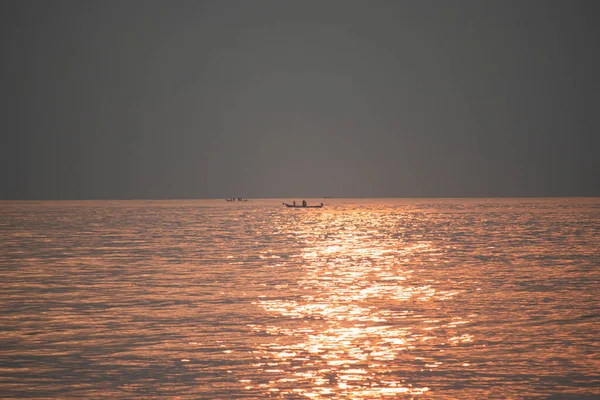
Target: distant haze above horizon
column 299, row 99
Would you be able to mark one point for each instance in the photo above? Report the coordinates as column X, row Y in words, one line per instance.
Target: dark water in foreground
column 496, row 298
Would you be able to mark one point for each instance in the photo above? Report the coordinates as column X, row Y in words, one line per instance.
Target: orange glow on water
column 442, row 298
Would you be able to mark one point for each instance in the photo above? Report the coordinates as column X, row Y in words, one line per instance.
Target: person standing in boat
column 294, row 203
column 303, row 203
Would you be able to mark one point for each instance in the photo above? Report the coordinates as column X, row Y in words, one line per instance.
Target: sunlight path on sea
column 363, row 312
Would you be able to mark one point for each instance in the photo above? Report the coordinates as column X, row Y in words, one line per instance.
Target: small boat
column 301, row 206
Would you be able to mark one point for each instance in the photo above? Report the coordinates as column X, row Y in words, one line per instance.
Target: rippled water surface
column 487, row 298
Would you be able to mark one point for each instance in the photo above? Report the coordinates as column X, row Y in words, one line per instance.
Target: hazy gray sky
column 197, row 99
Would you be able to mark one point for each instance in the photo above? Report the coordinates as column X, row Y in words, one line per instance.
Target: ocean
column 361, row 299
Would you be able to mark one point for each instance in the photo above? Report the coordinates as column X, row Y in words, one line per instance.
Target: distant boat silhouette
column 301, row 206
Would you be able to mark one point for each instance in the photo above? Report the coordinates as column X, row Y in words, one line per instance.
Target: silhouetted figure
column 303, row 203
column 294, row 203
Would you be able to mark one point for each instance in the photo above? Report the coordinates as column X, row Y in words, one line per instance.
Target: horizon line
column 298, row 197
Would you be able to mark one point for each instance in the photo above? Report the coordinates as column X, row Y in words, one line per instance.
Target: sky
column 298, row 99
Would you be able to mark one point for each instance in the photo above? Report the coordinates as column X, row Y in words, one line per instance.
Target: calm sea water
column 486, row 298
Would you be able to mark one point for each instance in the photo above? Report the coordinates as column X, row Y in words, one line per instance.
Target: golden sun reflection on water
column 361, row 311
column 370, row 298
